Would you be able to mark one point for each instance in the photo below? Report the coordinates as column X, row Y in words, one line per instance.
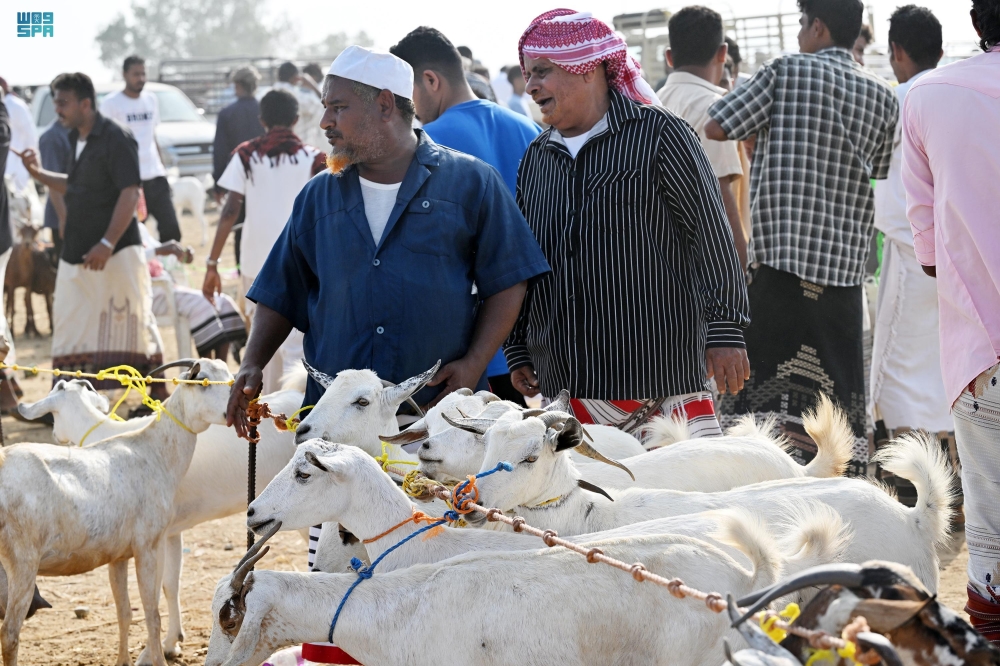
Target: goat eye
column 363, row 402
column 531, row 459
column 301, row 476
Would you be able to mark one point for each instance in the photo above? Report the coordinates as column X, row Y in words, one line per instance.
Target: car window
column 176, row 107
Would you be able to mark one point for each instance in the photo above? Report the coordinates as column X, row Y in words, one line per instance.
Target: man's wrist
column 108, row 244
column 211, row 264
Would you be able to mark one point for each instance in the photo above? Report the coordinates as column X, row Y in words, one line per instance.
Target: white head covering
column 376, row 69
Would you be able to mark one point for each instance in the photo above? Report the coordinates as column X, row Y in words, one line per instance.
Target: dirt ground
column 55, row 637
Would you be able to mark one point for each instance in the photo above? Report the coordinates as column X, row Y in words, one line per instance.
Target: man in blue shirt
column 54, row 147
column 376, row 264
column 453, row 116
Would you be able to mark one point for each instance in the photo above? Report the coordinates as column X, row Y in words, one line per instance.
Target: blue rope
column 364, row 573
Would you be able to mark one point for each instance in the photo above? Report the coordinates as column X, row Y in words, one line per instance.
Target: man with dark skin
column 375, row 149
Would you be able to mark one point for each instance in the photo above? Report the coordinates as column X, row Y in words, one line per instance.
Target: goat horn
column 408, row 436
column 179, row 363
column 587, row 485
column 319, row 377
column 527, row 413
column 467, row 392
column 757, row 639
column 554, row 419
column 410, row 401
column 868, row 640
column 585, row 449
column 256, row 552
column 848, row 575
column 477, row 426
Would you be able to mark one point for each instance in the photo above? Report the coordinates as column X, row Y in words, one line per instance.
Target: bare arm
column 269, row 330
column 59, row 204
column 732, row 207
column 714, row 131
column 493, row 323
column 52, row 180
column 121, row 217
column 230, row 212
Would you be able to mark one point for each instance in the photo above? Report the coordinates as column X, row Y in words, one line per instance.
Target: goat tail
column 295, row 379
column 746, row 531
column 665, row 430
column 918, row 458
column 816, row 534
column 828, row 427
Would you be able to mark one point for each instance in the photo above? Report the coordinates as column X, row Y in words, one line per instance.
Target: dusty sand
column 55, row 637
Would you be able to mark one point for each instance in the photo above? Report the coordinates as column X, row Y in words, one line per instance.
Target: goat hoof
column 173, row 651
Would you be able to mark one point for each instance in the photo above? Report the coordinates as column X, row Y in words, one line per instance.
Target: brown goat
column 29, row 267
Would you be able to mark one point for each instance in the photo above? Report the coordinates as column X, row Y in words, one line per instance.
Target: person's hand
column 212, row 284
column 97, row 257
column 218, row 195
column 30, row 160
column 730, row 367
column 525, row 380
column 457, row 374
column 246, row 387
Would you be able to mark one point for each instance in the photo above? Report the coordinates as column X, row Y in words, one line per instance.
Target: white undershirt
column 575, row 143
column 80, row 145
column 379, row 201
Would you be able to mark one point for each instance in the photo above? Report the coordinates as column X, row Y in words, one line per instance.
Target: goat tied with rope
column 66, row 510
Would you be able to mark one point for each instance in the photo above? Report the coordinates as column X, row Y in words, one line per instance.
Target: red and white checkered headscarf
column 578, row 43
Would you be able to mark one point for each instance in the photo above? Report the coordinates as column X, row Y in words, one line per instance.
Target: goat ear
column 571, row 435
column 247, row 642
column 193, row 372
column 560, row 403
column 60, row 386
column 320, row 378
column 314, row 461
column 395, row 395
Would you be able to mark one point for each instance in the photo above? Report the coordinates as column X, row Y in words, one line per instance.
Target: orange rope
column 417, row 518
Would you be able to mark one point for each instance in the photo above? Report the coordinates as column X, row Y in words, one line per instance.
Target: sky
column 490, row 29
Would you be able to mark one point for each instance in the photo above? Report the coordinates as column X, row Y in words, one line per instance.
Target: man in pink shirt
column 951, row 168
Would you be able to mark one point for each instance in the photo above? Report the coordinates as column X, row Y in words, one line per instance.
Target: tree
column 334, row 43
column 160, row 29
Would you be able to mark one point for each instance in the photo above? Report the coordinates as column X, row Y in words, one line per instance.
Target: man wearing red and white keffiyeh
column 579, row 43
column 646, row 299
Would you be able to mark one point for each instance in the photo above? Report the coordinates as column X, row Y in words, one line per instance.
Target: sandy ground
column 56, row 637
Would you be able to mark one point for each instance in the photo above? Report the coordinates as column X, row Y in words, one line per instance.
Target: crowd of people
column 698, row 250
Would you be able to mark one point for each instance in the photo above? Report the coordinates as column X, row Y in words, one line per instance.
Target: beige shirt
column 689, row 96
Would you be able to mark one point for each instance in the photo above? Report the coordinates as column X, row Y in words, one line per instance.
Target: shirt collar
column 837, row 51
column 620, row 111
column 96, row 130
column 682, row 78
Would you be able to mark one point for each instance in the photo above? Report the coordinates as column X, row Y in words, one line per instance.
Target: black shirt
column 108, row 164
column 5, row 238
column 644, row 276
column 238, row 122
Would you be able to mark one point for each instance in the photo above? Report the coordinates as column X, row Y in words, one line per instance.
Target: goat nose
column 303, row 430
column 250, row 512
column 427, row 445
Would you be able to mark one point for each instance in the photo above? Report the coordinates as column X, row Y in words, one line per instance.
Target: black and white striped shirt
column 644, row 271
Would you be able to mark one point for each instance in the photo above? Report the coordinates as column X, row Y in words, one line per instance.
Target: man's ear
column 386, row 102
column 720, row 55
column 431, row 80
column 670, row 58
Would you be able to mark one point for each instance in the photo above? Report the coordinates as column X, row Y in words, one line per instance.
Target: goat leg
column 118, row 577
column 20, row 584
column 173, row 564
column 147, row 560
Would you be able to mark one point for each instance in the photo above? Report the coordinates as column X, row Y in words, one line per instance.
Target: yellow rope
column 102, row 375
column 92, row 429
column 292, row 423
column 384, row 460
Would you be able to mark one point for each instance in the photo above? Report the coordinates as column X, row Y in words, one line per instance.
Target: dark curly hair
column 988, row 16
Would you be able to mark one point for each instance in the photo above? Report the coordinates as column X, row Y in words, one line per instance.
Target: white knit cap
column 376, row 69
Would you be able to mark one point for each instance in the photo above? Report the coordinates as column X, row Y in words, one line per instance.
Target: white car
column 184, row 134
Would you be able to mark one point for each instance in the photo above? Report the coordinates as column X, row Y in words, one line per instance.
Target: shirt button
column 426, row 204
column 376, row 262
column 380, row 330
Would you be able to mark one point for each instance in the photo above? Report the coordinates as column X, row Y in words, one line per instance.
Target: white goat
column 544, row 488
column 746, row 455
column 215, row 485
column 523, row 607
column 447, row 453
column 189, row 192
column 66, row 510
column 326, row 482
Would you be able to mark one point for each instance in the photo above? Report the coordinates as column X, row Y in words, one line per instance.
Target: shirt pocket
column 432, row 226
column 612, row 196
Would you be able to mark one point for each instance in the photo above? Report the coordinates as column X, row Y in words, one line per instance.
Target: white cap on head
column 376, row 69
